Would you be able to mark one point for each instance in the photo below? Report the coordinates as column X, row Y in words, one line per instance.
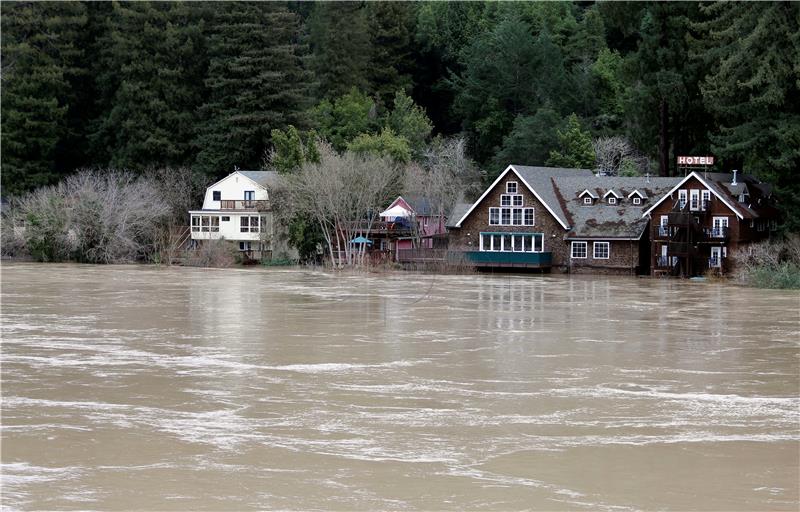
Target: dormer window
column 636, row 198
column 588, row 197
column 611, row 197
column 511, row 187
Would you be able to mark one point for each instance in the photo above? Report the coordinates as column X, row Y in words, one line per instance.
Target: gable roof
column 604, row 221
column 458, row 212
column 611, row 191
column 712, row 184
column 591, row 194
column 637, row 192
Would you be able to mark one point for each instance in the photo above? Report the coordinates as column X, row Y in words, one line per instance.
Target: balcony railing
column 716, row 232
column 379, row 226
column 421, row 255
column 678, row 248
column 661, row 232
column 239, row 204
column 663, row 262
column 504, row 259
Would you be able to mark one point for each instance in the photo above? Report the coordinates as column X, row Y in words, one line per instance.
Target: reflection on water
column 139, row 387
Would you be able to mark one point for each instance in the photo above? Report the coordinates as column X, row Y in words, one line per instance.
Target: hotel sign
column 695, row 160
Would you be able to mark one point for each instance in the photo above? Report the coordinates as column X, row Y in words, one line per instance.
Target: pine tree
column 575, row 147
column 390, row 36
column 149, row 79
column 752, row 54
column 256, row 83
column 40, row 55
column 340, row 47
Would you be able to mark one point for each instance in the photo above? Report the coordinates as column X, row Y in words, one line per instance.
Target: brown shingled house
column 698, row 223
column 564, row 219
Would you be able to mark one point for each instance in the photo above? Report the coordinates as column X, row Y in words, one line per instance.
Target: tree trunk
column 663, row 139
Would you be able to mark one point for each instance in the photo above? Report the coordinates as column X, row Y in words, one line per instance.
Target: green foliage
column 575, row 147
column 340, row 46
column 150, row 83
column 256, row 83
column 289, row 151
column 530, row 140
column 305, row 235
column 391, row 28
column 341, row 120
column 410, row 121
column 41, row 52
column 752, row 54
column 387, row 144
column 785, row 275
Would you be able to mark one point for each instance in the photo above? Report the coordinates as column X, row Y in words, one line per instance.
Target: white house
column 237, row 208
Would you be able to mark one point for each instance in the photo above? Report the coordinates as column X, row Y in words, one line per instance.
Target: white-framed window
column 494, row 216
column 720, row 227
column 505, row 200
column 516, row 216
column 249, row 195
column 195, row 223
column 245, row 246
column 216, row 195
column 705, row 197
column 694, row 200
column 205, row 223
column 612, row 200
column 587, row 200
column 528, row 216
column 601, row 250
column 682, row 198
column 244, row 225
column 225, row 218
column 512, row 242
column 511, row 187
column 579, row 250
column 637, row 201
column 505, row 216
column 516, row 200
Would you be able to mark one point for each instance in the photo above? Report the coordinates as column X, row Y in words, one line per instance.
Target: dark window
column 249, row 195
column 225, row 219
column 216, row 195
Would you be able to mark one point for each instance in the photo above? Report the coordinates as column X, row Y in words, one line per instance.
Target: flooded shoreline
column 178, row 388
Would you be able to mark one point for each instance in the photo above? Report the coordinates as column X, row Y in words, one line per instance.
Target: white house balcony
column 244, row 205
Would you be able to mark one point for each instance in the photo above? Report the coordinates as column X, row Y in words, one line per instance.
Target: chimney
column 734, row 177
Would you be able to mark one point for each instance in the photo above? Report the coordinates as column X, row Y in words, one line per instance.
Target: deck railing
column 240, row 204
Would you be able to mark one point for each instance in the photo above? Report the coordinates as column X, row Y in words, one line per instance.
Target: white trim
column 516, row 187
column 637, row 193
column 587, row 191
column 499, row 178
column 611, row 191
column 701, row 180
column 594, row 250
column 588, row 200
column 636, row 201
column 612, row 200
column 572, row 250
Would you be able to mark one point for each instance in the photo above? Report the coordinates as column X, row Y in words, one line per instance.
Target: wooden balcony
column 715, row 235
column 244, row 205
column 421, row 255
column 678, row 248
column 380, row 227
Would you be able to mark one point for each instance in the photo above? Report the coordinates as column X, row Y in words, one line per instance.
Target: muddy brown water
column 134, row 387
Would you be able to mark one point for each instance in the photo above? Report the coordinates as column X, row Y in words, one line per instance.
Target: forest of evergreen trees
column 215, row 85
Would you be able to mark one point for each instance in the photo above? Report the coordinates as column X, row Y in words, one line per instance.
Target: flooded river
column 127, row 387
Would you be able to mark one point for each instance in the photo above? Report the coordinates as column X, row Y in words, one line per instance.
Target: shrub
column 770, row 264
column 212, row 253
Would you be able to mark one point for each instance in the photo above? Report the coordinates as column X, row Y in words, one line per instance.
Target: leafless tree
column 446, row 175
column 616, row 156
column 344, row 194
column 92, row 216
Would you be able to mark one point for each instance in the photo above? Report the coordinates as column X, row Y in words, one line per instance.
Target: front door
column 716, row 257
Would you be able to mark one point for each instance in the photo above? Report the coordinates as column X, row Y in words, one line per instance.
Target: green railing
column 504, row 259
